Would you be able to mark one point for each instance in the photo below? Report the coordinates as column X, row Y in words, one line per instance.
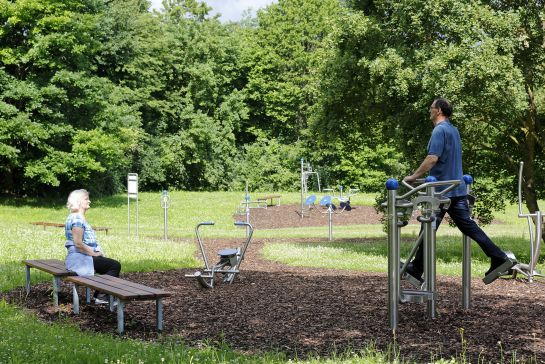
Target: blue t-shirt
column 77, row 261
column 446, row 144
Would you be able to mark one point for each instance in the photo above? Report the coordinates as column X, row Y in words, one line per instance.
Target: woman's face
column 85, row 203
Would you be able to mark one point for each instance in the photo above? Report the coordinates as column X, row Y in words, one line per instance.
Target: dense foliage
column 93, row 89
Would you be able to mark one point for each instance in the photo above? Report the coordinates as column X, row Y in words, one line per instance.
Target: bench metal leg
column 159, row 309
column 27, row 279
column 87, row 295
column 56, row 289
column 75, row 299
column 120, row 316
column 111, row 303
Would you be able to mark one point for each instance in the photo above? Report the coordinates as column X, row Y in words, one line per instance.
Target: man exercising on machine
column 444, row 162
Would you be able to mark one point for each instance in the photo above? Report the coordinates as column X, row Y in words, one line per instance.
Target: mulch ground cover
column 301, row 311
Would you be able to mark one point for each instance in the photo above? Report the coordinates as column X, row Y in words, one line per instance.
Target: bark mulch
column 302, row 311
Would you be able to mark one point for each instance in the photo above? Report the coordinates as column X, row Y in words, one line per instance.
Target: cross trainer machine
column 398, row 208
column 535, row 231
column 430, row 201
column 229, row 259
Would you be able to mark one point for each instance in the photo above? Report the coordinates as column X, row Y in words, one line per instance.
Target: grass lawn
column 28, row 340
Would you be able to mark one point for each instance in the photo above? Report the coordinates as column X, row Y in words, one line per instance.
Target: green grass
column 356, row 247
column 371, row 255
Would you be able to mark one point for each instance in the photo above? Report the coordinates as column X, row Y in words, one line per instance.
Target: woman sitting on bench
column 85, row 256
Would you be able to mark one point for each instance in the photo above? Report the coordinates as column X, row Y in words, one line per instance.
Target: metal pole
column 302, row 187
column 128, row 215
column 247, row 199
column 393, row 255
column 137, row 216
column 536, row 247
column 466, row 256
column 330, row 212
column 429, row 256
column 165, row 208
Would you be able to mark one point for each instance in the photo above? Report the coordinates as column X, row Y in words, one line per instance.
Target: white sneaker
column 99, row 301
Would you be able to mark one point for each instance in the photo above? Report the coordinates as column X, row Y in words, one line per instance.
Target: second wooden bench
column 123, row 290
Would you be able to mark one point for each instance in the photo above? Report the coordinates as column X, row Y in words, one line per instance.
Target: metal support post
column 330, row 213
column 27, row 275
column 393, row 255
column 120, row 316
column 165, row 204
column 302, row 187
column 75, row 299
column 429, row 227
column 466, row 256
column 159, row 308
column 56, row 289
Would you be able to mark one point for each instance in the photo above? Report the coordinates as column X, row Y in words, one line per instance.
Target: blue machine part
column 430, row 179
column 310, row 200
column 326, row 200
column 468, row 179
column 392, row 184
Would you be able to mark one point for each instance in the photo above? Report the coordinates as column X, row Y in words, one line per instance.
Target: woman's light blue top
column 76, row 261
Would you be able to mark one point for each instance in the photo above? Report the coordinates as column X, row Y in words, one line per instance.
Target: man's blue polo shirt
column 446, row 144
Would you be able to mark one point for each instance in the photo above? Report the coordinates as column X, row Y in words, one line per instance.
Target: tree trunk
column 529, row 150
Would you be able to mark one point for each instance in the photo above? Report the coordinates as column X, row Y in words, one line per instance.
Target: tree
column 280, row 55
column 388, row 60
column 60, row 123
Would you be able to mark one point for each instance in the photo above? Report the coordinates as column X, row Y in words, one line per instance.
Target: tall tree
column 281, row 57
column 389, row 59
column 60, row 123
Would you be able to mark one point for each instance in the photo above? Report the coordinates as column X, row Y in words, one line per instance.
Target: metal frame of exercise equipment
column 306, row 171
column 535, row 232
column 229, row 262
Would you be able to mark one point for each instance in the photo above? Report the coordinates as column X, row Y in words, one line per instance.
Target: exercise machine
column 229, row 259
column 306, row 172
column 535, row 228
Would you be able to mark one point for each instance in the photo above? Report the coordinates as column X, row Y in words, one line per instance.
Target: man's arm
column 426, row 165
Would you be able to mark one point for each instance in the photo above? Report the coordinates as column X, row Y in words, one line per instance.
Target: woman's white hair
column 74, row 199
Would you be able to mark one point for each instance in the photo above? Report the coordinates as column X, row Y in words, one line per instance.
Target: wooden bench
column 123, row 290
column 55, row 224
column 271, row 198
column 54, row 267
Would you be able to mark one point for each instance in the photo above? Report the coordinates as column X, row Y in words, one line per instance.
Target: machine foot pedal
column 503, row 269
column 415, row 296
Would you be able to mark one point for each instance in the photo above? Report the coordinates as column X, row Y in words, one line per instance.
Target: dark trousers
column 106, row 266
column 110, row 267
column 458, row 210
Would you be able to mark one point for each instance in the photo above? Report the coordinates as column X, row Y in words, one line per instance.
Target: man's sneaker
column 412, row 273
column 99, row 301
column 497, row 269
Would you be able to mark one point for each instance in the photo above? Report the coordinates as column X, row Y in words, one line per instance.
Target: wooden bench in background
column 123, row 290
column 54, row 224
column 271, row 198
column 54, row 267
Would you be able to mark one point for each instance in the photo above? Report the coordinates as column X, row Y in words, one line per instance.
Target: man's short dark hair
column 444, row 105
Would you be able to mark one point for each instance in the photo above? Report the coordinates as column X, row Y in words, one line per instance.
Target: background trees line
column 92, row 90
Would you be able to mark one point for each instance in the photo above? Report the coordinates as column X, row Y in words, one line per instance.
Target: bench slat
column 96, row 283
column 155, row 291
column 118, row 287
column 52, row 266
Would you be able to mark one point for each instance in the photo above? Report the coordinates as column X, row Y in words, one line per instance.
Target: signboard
column 132, row 184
